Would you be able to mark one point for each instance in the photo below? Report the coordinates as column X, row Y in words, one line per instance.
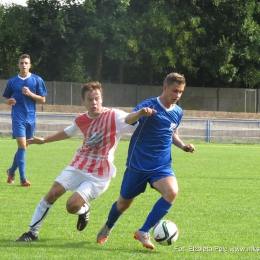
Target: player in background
column 149, row 157
column 92, row 168
column 22, row 92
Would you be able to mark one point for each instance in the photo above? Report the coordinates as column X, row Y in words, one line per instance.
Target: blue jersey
column 150, row 145
column 25, row 108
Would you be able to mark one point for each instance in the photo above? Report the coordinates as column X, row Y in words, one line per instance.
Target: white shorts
column 88, row 186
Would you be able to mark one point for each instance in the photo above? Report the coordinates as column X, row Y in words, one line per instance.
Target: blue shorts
column 134, row 183
column 23, row 129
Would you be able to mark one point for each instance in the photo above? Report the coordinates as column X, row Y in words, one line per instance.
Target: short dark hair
column 95, row 85
column 24, row 56
column 174, row 78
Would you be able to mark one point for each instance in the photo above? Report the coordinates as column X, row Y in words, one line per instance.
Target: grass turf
column 217, row 210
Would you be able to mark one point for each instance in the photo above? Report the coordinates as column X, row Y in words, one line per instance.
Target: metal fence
column 220, row 131
column 206, row 130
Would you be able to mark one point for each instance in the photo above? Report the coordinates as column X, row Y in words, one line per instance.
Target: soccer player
column 149, row 157
column 22, row 92
column 92, row 168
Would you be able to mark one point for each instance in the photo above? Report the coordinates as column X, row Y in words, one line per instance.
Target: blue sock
column 113, row 216
column 160, row 209
column 14, row 165
column 20, row 158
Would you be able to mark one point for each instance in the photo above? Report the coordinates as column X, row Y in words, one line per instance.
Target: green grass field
column 217, row 210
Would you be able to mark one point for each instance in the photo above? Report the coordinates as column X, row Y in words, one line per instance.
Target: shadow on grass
column 46, row 243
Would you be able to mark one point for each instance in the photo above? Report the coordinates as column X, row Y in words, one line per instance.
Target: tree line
column 214, row 43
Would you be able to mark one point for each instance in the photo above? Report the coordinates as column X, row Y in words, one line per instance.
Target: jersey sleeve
column 120, row 121
column 72, row 130
column 145, row 103
column 139, row 106
column 41, row 90
column 8, row 90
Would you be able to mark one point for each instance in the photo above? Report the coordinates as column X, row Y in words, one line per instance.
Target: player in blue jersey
column 149, row 157
column 22, row 92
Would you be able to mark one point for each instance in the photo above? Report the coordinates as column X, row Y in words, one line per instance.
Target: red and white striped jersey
column 101, row 137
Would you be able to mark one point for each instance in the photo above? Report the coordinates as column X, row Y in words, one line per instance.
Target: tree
column 56, row 39
column 215, row 43
column 13, row 37
column 46, row 37
column 106, row 30
column 162, row 37
column 228, row 52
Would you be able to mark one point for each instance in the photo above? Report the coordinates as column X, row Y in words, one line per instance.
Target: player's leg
column 11, row 171
column 88, row 188
column 20, row 159
column 77, row 205
column 115, row 212
column 27, row 130
column 132, row 185
column 41, row 212
column 18, row 130
column 168, row 187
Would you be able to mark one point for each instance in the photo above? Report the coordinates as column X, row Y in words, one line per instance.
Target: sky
column 19, row 2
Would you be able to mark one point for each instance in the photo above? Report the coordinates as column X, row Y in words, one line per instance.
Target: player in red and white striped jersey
column 92, row 167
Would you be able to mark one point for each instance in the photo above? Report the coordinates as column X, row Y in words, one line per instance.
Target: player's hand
column 35, row 140
column 147, row 111
column 189, row 148
column 11, row 101
column 26, row 91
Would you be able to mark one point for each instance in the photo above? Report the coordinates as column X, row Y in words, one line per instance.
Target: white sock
column 83, row 209
column 40, row 213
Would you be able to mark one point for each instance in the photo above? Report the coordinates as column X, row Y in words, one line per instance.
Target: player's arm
column 178, row 142
column 134, row 116
column 58, row 136
column 26, row 91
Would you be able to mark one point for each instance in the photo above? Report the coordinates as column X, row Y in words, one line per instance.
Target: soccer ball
column 165, row 232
